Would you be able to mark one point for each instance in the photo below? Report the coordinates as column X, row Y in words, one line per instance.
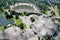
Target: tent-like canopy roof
column 25, row 7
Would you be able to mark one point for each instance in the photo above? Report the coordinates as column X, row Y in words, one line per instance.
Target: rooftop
column 25, row 7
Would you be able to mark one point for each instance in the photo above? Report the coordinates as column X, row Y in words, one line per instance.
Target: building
column 25, row 7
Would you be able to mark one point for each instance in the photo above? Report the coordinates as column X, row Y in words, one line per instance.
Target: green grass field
column 2, row 28
column 18, row 21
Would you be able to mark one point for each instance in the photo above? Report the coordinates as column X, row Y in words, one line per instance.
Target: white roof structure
column 34, row 38
column 25, row 7
column 13, row 32
column 43, row 26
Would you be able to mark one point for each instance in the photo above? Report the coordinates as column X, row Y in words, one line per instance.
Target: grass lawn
column 1, row 28
column 18, row 21
column 24, row 25
column 3, row 14
column 58, row 11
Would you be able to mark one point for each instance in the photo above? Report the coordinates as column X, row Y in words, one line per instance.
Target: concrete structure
column 13, row 32
column 25, row 7
column 34, row 38
column 43, row 27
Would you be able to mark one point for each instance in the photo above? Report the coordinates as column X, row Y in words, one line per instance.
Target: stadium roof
column 25, row 7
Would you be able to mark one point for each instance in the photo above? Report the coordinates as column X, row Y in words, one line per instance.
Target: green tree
column 22, row 26
column 32, row 19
